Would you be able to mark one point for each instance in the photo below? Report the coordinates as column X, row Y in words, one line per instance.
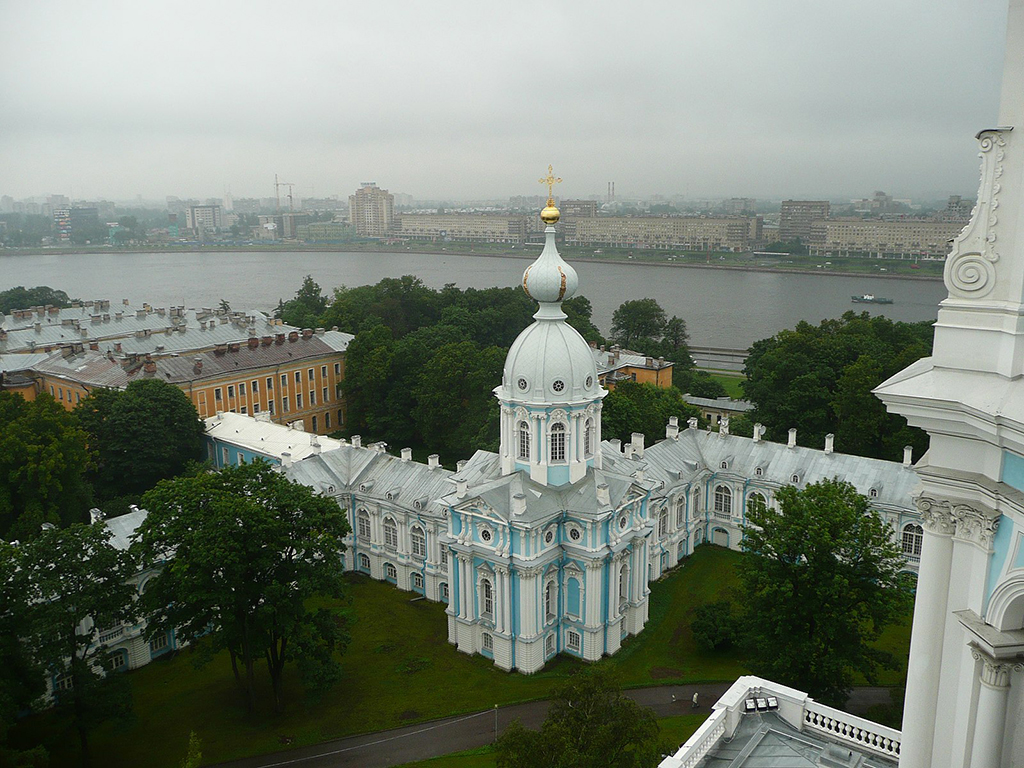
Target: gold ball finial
column 550, row 214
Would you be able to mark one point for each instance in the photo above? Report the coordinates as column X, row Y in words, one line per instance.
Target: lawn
column 674, row 730
column 732, row 384
column 398, row 669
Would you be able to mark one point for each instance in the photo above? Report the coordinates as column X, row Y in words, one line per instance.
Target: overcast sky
column 472, row 100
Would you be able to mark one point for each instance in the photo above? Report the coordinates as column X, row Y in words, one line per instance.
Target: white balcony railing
column 857, row 731
column 704, row 740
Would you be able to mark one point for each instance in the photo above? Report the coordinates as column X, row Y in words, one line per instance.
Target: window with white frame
column 549, row 645
column 364, row 524
column 64, row 682
column 444, row 591
column 417, row 581
column 588, row 437
column 913, row 538
column 558, row 443
column 756, row 502
column 696, row 500
column 487, row 641
column 364, row 562
column 158, row 643
column 550, row 601
column 723, row 501
column 390, row 534
column 572, row 640
column 486, row 599
column 680, row 511
column 390, row 572
column 524, row 441
column 419, row 542
column 117, row 660
column 663, row 523
column 623, row 585
column 444, row 557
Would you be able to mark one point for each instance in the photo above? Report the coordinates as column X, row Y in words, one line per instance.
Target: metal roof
column 90, row 368
column 123, row 527
column 263, row 436
column 719, row 403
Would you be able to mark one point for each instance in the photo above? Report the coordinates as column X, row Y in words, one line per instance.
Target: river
column 722, row 308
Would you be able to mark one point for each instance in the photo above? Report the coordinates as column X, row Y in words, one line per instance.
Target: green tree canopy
column 633, row 407
column 21, row 297
column 43, row 460
column 307, row 308
column 638, row 323
column 590, row 724
column 253, row 555
column 146, row 433
column 818, row 379
column 75, row 585
column 821, row 582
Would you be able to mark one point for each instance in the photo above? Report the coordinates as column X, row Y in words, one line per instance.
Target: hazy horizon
column 736, row 98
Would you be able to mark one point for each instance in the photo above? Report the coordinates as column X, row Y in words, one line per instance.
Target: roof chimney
column 293, row 336
column 286, row 458
column 672, row 430
column 433, row 461
column 723, row 426
column 461, row 487
column 792, row 438
column 314, row 444
column 908, row 455
column 95, row 516
column 603, row 497
column 616, row 444
column 829, row 442
column 460, row 465
column 691, row 423
column 357, row 441
column 758, row 431
column 637, row 444
column 407, row 454
column 518, row 505
column 197, row 366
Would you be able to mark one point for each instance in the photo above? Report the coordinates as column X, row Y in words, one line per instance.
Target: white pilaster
column 993, row 696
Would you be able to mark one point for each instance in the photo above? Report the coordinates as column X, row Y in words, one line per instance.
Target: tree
column 21, row 297
column 820, row 583
column 714, row 626
column 590, row 724
column 43, row 460
column 633, row 407
column 146, row 433
column 637, row 322
column 579, row 313
column 818, row 379
column 251, row 551
column 308, row 306
column 76, row 585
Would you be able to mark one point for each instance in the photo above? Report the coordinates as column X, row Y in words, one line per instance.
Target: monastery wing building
column 549, row 545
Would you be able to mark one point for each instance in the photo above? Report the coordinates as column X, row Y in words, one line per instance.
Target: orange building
column 615, row 365
column 292, row 376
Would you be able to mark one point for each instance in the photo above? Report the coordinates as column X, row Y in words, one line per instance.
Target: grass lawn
column 398, row 669
column 731, row 382
column 674, row 730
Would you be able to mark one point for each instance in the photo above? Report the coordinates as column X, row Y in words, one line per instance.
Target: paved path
column 454, row 734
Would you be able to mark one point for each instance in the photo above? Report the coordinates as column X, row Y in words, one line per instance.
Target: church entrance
column 720, row 536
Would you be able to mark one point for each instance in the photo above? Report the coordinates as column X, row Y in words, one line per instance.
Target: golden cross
column 550, row 180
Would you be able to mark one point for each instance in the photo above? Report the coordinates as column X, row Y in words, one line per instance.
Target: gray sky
column 465, row 100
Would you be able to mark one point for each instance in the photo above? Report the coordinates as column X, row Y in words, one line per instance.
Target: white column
column 499, row 594
column 593, row 595
column 990, row 719
column 923, row 674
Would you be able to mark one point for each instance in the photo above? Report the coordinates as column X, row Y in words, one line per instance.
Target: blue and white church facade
column 549, row 545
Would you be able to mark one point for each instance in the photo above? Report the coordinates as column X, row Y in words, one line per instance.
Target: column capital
column 996, row 672
column 975, row 525
column 937, row 515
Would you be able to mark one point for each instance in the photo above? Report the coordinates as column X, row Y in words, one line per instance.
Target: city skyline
column 691, row 100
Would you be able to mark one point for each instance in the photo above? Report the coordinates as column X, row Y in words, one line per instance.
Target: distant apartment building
column 572, row 211
column 796, row 217
column 461, row 227
column 875, row 237
column 737, row 205
column 281, row 226
column 371, row 210
column 691, row 233
column 62, row 224
column 957, row 209
column 203, row 218
column 324, row 232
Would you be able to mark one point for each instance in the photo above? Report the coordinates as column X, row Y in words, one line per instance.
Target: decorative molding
column 975, row 526
column 995, row 673
column 970, row 267
column 936, row 515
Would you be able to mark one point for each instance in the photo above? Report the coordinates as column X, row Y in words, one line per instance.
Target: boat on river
column 870, row 298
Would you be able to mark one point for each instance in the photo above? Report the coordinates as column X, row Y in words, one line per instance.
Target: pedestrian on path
column 694, row 700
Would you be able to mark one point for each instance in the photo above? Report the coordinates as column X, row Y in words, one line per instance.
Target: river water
column 723, row 308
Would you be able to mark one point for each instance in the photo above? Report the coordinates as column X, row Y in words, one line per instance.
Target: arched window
column 723, row 501
column 419, row 542
column 874, row 493
column 623, row 585
column 759, row 471
column 390, row 572
column 680, row 511
column 696, row 500
column 524, row 440
column 487, row 642
column 588, row 437
column 487, row 592
column 558, row 443
column 681, row 551
column 663, row 523
column 549, row 601
column 364, row 524
column 364, row 563
column 724, row 465
column 417, row 581
column 390, row 534
column 756, row 502
column 913, row 537
column 443, row 589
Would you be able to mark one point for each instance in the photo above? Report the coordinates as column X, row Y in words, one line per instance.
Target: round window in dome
column 523, row 384
column 485, row 535
column 558, row 385
column 622, row 521
column 590, row 381
column 574, row 534
column 549, row 537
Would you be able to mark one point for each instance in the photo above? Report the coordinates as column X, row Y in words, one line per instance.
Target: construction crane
column 277, row 191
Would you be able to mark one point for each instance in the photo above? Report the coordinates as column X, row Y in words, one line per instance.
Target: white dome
column 550, row 363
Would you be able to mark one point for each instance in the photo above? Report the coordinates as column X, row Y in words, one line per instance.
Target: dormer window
column 759, row 471
column 795, row 479
column 724, row 465
column 873, row 493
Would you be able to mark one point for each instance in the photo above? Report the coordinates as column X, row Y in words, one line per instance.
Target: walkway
column 455, row 734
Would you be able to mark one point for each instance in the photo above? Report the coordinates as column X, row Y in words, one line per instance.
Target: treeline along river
column 722, row 308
